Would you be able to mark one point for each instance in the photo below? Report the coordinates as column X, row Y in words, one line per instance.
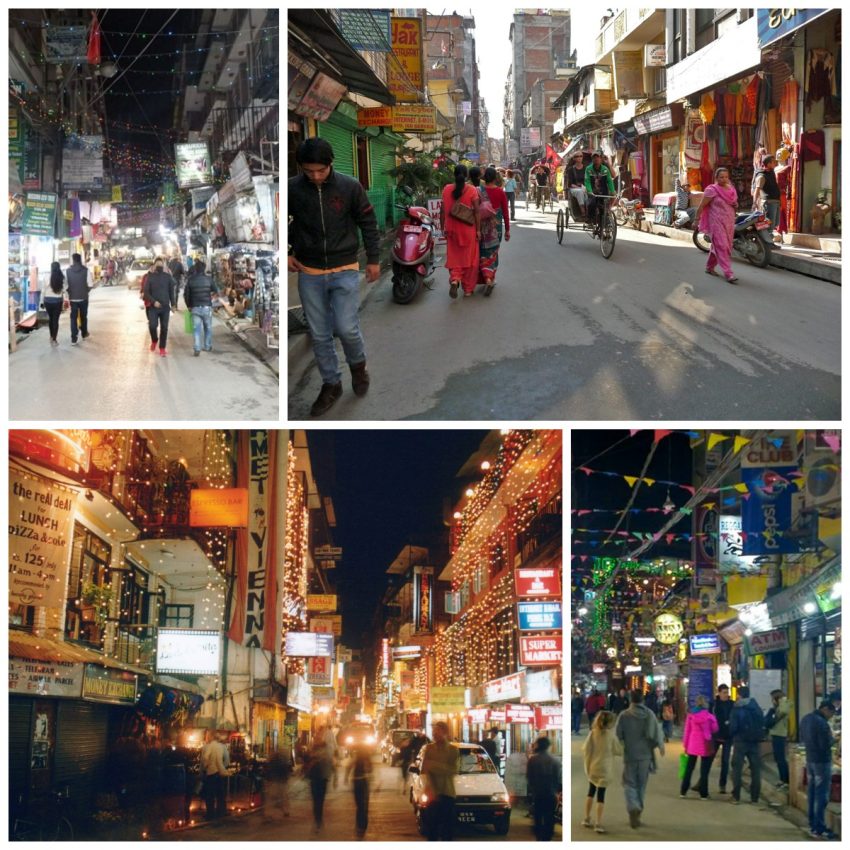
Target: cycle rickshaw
column 606, row 230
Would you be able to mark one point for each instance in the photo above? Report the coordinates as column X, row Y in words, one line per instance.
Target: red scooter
column 413, row 252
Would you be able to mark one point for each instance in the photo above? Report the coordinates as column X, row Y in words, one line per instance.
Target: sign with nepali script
column 39, row 541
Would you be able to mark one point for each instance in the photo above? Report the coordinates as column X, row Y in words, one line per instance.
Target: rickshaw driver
column 541, row 177
column 597, row 178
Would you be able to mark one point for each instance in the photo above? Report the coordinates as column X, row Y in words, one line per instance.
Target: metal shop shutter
column 342, row 142
column 81, row 736
column 20, row 729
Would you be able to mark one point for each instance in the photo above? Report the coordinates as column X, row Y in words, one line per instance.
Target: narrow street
column 570, row 335
column 391, row 818
column 666, row 816
column 113, row 375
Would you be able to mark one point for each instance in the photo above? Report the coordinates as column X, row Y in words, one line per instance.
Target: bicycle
column 53, row 824
column 603, row 227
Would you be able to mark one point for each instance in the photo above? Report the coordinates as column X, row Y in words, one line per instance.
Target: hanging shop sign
column 405, row 76
column 45, row 678
column 66, row 45
column 773, row 24
column 733, row 633
column 448, row 699
column 730, row 547
column 766, row 514
column 82, row 162
column 423, row 598
column 539, row 616
column 39, row 541
column 508, row 687
column 659, row 659
column 319, row 670
column 776, row 640
column 654, row 55
column 768, row 452
column 519, row 713
column 796, row 602
column 416, row 118
column 478, row 715
column 705, row 532
column 540, row 651
column 541, row 686
column 226, row 508
column 322, row 97
column 193, row 165
column 549, row 717
column 538, row 582
column 328, row 551
column 599, row 668
column 656, row 120
column 377, row 116
column 101, row 684
column 190, row 652
column 327, row 624
column 497, row 716
column 308, row 644
column 406, row 653
column 321, row 602
column 628, row 73
column 299, row 694
column 364, row 29
column 529, row 139
column 667, row 628
column 706, row 644
column 39, row 214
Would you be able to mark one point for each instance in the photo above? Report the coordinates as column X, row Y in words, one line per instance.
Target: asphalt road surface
column 113, row 375
column 569, row 335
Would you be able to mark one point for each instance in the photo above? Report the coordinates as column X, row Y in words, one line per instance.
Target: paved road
column 390, row 819
column 569, row 335
column 112, row 375
column 667, row 817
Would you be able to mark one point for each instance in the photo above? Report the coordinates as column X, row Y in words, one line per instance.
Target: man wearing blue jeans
column 198, row 297
column 326, row 210
column 816, row 735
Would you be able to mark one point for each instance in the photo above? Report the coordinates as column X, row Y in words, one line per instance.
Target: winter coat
column 639, row 730
column 79, row 282
column 783, row 709
column 599, row 748
column 722, row 710
column 700, row 727
column 157, row 287
column 737, row 724
column 594, row 703
column 816, row 735
column 199, row 290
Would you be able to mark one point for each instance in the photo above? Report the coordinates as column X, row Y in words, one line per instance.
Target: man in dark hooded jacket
column 198, row 297
column 158, row 291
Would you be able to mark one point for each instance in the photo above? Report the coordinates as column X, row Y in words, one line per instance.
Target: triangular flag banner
column 832, row 440
column 714, row 439
column 649, row 481
column 777, row 441
column 630, row 480
column 740, row 442
column 660, row 434
column 633, row 431
column 742, row 488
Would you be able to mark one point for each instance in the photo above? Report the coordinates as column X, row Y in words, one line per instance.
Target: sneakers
column 359, row 378
column 162, row 352
column 600, row 828
column 86, row 336
column 587, row 823
column 634, row 818
column 826, row 835
column 197, row 352
column 328, row 396
column 74, row 342
column 154, row 345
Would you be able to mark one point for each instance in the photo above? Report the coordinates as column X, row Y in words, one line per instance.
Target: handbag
column 188, row 323
column 462, row 213
column 486, row 210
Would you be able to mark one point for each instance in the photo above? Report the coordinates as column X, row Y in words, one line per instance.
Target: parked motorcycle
column 628, row 212
column 752, row 239
column 412, row 252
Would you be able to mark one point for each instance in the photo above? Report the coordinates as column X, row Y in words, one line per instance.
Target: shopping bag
column 683, row 765
column 188, row 323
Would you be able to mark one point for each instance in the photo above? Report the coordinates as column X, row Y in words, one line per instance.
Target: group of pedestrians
column 68, row 289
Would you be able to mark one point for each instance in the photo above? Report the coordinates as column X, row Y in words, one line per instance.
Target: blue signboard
column 774, row 24
column 707, row 644
column 766, row 515
column 700, row 682
column 539, row 616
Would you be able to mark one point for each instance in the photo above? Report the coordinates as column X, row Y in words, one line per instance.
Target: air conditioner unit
column 823, row 479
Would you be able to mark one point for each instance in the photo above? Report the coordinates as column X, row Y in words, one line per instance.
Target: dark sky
column 388, row 492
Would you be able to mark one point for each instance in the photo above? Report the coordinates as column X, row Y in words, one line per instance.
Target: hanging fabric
column 820, row 76
column 788, row 110
column 707, row 108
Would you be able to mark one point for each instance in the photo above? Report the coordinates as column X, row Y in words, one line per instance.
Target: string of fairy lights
column 295, row 561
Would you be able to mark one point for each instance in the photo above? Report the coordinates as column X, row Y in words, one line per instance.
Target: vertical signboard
column 423, row 593
column 404, row 69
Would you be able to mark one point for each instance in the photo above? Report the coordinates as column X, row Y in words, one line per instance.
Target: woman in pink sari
column 461, row 238
column 718, row 208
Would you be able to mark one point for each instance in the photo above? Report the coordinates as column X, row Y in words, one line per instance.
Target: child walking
column 599, row 749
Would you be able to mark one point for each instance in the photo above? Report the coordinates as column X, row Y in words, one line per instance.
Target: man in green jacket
column 597, row 181
column 440, row 764
column 779, row 734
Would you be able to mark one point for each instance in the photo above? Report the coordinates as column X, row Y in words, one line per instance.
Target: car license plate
column 412, row 228
column 763, row 225
column 466, row 817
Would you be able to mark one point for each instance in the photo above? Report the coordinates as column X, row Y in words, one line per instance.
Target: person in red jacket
column 593, row 705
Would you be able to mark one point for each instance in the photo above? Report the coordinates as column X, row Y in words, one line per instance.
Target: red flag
column 93, row 55
column 552, row 156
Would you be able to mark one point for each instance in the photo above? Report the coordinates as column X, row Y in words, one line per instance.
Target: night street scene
column 144, row 193
column 584, row 287
column 706, row 635
column 253, row 635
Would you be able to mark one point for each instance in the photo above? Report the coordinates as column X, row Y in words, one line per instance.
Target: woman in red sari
column 461, row 238
column 718, row 208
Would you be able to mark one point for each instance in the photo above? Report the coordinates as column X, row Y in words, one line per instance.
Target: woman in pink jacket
column 698, row 742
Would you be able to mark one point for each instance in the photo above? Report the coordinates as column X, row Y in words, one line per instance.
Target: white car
column 481, row 794
column 138, row 269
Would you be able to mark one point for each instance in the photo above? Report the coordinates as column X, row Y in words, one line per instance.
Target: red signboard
column 540, row 650
column 497, row 715
column 538, row 582
column 549, row 717
column 478, row 715
column 519, row 713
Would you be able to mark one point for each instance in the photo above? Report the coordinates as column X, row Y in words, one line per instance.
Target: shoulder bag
column 462, row 213
column 486, row 209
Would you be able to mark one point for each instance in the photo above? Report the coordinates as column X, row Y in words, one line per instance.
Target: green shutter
column 342, row 142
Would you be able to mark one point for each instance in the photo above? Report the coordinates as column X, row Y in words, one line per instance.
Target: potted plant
column 95, row 599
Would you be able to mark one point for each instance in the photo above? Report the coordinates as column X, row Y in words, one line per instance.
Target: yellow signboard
column 404, row 68
column 379, row 116
column 321, row 602
column 416, row 118
column 447, row 700
column 215, row 508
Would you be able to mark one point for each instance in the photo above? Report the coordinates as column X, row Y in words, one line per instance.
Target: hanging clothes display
column 788, row 110
column 820, row 76
column 813, row 146
column 707, row 108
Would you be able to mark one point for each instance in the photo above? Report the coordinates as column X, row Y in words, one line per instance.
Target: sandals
column 712, row 272
column 453, row 289
column 488, row 289
column 732, row 279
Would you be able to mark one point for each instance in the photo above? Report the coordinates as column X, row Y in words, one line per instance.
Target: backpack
column 750, row 728
column 667, row 712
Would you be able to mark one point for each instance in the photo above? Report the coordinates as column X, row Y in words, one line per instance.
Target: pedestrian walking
column 698, row 743
column 716, row 217
column 461, row 225
column 599, row 749
column 440, row 765
column 668, row 715
column 80, row 283
column 746, row 727
column 593, row 705
column 816, row 736
column 544, row 785
column 510, row 191
column 361, row 774
column 318, row 770
column 618, row 701
column 215, row 763
column 177, row 272
column 277, row 774
column 722, row 710
column 492, row 228
column 576, row 711
column 326, row 211
column 776, row 721
column 198, row 295
column 491, row 745
column 53, row 298
column 640, row 734
column 651, row 701
column 157, row 290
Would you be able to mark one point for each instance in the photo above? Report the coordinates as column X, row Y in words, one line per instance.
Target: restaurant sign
column 549, row 717
column 218, row 508
column 102, row 684
column 538, row 581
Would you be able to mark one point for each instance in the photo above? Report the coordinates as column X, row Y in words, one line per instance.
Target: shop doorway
column 665, row 162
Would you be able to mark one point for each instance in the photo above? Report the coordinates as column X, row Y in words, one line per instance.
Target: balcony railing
column 546, row 526
column 244, row 128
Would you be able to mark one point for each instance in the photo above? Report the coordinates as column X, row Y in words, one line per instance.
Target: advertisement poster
column 321, row 97
column 319, row 670
column 40, row 518
column 404, row 68
column 193, row 165
column 188, row 651
column 766, row 515
column 730, row 548
column 82, row 162
column 39, row 214
column 700, row 680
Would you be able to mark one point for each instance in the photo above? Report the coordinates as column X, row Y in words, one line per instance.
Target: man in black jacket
column 722, row 710
column 198, row 297
column 326, row 209
column 159, row 292
column 80, row 283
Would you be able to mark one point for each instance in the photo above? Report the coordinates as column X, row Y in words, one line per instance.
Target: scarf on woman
column 729, row 193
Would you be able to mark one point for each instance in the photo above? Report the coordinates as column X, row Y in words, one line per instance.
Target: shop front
column 658, row 134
